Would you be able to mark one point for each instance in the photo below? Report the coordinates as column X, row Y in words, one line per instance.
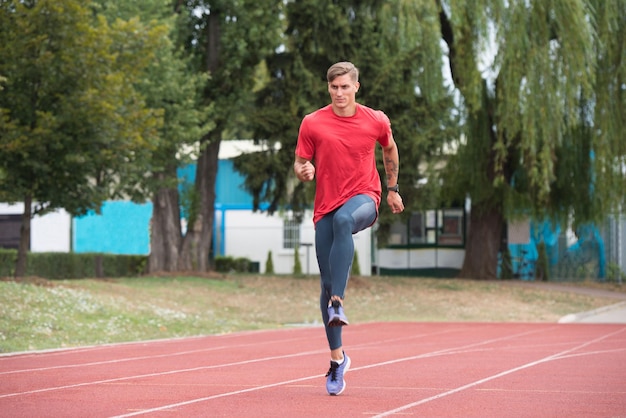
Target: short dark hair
column 342, row 68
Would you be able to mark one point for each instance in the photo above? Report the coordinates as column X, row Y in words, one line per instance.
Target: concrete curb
column 578, row 317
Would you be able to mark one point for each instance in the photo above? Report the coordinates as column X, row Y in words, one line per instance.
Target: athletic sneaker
column 336, row 317
column 335, row 383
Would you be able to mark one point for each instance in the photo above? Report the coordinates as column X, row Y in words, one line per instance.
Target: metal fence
column 599, row 254
column 614, row 237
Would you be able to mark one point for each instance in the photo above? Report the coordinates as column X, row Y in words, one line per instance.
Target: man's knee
column 343, row 221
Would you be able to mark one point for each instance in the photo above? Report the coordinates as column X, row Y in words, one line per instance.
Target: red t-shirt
column 343, row 150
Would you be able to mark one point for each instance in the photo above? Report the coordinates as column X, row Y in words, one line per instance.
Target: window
column 430, row 228
column 417, row 230
column 423, row 227
column 291, row 233
column 451, row 227
column 10, row 231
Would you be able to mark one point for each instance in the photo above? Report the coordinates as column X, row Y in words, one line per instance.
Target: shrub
column 297, row 266
column 228, row 264
column 506, row 266
column 269, row 264
column 356, row 269
column 614, row 274
column 57, row 265
column 8, row 258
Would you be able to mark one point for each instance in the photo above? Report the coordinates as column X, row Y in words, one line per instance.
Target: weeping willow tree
column 542, row 89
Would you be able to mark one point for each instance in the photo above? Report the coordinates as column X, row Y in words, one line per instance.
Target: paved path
column 611, row 314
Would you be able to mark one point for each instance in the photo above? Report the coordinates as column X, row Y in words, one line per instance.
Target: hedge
column 55, row 265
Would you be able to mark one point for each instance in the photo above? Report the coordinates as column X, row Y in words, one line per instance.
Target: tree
column 73, row 129
column 389, row 43
column 173, row 86
column 541, row 119
column 228, row 40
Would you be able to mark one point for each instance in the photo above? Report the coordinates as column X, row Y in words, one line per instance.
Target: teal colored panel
column 229, row 189
column 121, row 228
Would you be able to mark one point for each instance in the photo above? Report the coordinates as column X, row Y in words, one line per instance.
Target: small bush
column 8, row 258
column 269, row 264
column 506, row 265
column 356, row 269
column 614, row 274
column 297, row 266
column 228, row 264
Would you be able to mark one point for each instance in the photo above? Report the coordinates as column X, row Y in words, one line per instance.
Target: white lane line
column 453, row 350
column 271, row 358
column 219, row 395
column 154, row 356
column 106, row 346
column 200, row 350
column 256, row 388
column 552, row 357
column 192, row 369
column 449, row 351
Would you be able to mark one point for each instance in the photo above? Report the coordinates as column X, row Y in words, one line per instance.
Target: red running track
column 398, row 369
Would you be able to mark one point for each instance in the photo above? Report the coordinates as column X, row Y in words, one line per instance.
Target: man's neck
column 345, row 112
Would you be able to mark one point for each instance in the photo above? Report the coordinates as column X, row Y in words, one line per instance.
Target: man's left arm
column 391, row 161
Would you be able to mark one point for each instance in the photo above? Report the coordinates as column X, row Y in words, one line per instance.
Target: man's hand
column 305, row 171
column 394, row 200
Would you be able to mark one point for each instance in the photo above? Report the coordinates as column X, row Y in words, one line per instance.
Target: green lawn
column 40, row 314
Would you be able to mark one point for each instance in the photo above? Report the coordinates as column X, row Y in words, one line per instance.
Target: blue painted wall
column 124, row 227
column 121, row 228
column 228, row 185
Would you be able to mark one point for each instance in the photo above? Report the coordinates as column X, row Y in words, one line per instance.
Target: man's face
column 343, row 91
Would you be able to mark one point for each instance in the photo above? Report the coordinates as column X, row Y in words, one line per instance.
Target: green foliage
column 170, row 86
column 355, row 269
column 73, row 127
column 269, row 263
column 542, row 268
column 74, row 265
column 506, row 265
column 228, row 264
column 543, row 117
column 391, row 43
column 297, row 265
column 614, row 274
column 228, row 40
column 8, row 259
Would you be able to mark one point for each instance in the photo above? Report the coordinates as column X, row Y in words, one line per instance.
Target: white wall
column 253, row 235
column 423, row 258
column 7, row 209
column 48, row 233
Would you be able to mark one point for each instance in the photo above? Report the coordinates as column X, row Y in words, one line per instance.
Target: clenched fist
column 305, row 171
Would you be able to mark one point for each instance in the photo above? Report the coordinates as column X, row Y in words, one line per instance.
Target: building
column 430, row 243
column 122, row 227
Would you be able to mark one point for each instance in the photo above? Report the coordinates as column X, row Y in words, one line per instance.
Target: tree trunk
column 24, row 246
column 165, row 229
column 483, row 244
column 197, row 241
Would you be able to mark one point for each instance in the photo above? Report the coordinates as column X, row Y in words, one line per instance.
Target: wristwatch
column 395, row 188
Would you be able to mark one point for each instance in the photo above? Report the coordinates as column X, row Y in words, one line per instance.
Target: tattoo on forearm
column 391, row 169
